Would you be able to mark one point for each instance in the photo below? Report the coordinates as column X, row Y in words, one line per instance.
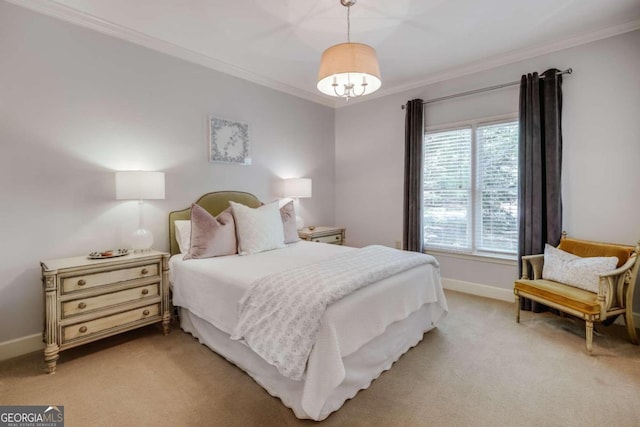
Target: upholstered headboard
column 214, row 203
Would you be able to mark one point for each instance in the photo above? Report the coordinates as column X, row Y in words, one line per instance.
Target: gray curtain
column 540, row 166
column 413, row 145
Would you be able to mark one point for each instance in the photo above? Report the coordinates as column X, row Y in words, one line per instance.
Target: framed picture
column 228, row 141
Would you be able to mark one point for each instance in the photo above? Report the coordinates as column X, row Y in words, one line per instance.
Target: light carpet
column 478, row 368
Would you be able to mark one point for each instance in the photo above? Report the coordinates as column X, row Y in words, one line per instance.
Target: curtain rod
column 486, row 89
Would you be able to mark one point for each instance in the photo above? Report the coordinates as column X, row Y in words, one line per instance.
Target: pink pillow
column 288, row 215
column 211, row 236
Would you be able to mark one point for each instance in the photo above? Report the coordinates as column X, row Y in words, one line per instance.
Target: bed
column 360, row 335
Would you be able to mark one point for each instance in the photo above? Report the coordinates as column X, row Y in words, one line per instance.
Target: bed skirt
column 361, row 367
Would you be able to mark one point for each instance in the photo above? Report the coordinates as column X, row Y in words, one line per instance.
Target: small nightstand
column 333, row 235
column 89, row 299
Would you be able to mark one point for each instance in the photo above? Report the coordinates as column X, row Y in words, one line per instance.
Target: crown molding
column 74, row 16
column 82, row 19
column 501, row 60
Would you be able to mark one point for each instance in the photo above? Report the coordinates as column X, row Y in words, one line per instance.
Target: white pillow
column 258, row 229
column 183, row 234
column 570, row 269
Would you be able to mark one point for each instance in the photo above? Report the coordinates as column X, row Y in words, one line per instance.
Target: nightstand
column 89, row 299
column 333, row 235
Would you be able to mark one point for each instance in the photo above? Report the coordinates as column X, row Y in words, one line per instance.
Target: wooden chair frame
column 614, row 297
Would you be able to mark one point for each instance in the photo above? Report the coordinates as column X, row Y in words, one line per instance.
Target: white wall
column 76, row 105
column 601, row 171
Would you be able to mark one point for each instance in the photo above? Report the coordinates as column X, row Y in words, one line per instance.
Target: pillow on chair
column 570, row 269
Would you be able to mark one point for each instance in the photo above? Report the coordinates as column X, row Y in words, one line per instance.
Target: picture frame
column 228, row 141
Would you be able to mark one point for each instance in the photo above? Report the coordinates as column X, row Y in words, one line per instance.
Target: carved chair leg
column 589, row 331
column 631, row 329
column 517, row 308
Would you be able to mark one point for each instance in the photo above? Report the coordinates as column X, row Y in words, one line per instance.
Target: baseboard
column 501, row 294
column 19, row 346
column 478, row 289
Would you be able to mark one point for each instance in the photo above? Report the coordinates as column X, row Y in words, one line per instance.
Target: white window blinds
column 497, row 187
column 447, row 189
column 471, row 188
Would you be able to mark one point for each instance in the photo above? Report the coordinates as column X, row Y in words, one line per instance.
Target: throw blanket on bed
column 279, row 315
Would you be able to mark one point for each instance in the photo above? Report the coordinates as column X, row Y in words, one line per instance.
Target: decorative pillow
column 570, row 269
column 288, row 215
column 183, row 234
column 258, row 229
column 211, row 236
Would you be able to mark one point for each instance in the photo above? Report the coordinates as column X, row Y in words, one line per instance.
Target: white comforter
column 211, row 289
column 280, row 314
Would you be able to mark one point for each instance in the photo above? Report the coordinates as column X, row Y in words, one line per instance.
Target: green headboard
column 214, row 203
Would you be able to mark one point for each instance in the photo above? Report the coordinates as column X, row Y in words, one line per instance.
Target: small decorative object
column 110, row 253
column 311, row 227
column 297, row 188
column 140, row 185
column 228, row 141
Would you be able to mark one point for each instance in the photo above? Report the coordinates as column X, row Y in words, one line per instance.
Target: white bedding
column 280, row 314
column 211, row 288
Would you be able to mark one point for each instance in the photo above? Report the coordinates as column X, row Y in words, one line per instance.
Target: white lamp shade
column 297, row 187
column 139, row 185
column 349, row 63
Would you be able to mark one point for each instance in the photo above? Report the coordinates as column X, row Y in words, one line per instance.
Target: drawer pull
column 145, row 313
column 144, row 271
column 337, row 237
column 145, row 291
column 82, row 305
column 81, row 282
column 83, row 329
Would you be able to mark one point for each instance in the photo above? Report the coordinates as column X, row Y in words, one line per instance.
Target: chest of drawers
column 323, row 234
column 86, row 300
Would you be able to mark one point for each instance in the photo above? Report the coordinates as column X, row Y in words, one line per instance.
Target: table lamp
column 141, row 186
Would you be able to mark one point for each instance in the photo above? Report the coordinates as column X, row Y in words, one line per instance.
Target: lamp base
column 141, row 240
column 299, row 222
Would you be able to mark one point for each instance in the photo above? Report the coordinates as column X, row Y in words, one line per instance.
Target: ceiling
column 278, row 43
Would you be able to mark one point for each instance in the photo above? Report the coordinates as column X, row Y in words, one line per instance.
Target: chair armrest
column 536, row 262
column 611, row 287
column 626, row 266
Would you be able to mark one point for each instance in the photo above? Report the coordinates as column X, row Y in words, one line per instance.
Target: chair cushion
column 586, row 248
column 564, row 295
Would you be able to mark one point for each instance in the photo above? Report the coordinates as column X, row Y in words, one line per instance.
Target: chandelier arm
column 348, row 90
column 364, row 89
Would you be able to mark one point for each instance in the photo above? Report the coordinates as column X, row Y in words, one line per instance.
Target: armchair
column 615, row 288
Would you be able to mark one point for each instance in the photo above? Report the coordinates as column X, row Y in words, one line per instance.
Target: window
column 471, row 188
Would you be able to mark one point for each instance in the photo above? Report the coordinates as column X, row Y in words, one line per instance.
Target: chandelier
column 349, row 70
